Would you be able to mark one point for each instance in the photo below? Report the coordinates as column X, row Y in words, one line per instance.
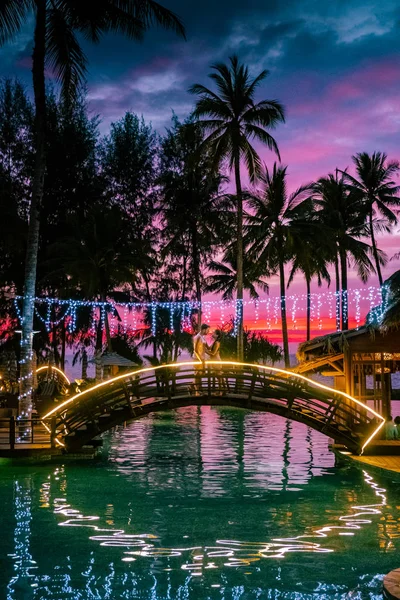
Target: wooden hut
column 361, row 361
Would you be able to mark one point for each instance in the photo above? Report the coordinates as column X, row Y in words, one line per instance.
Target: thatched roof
column 112, row 359
column 391, row 317
column 331, row 343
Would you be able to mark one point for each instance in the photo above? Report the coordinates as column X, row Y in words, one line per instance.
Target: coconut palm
column 311, row 257
column 232, row 120
column 225, row 281
column 273, row 233
column 340, row 214
column 56, row 46
column 379, row 192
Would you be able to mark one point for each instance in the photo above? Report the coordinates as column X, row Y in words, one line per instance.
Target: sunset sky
column 334, row 65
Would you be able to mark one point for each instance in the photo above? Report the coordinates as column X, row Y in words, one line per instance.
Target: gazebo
column 111, row 363
column 361, row 361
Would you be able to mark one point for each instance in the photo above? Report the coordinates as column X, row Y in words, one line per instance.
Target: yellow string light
column 285, row 372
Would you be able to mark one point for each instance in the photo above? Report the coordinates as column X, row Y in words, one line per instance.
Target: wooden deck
column 388, row 463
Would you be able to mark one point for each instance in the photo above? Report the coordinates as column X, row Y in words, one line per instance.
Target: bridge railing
column 264, row 388
column 18, row 434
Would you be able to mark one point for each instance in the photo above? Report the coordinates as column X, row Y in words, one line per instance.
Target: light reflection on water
column 200, row 503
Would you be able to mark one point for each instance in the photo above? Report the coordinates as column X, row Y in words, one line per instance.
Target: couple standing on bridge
column 204, row 351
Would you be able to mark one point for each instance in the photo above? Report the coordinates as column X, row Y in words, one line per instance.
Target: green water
column 199, row 504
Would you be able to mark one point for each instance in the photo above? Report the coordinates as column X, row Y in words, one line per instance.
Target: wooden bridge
column 84, row 416
column 50, row 374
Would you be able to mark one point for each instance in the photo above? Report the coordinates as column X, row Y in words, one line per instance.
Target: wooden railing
column 341, row 417
column 26, row 433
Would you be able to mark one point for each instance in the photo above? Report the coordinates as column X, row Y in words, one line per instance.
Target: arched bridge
column 80, row 418
column 52, row 374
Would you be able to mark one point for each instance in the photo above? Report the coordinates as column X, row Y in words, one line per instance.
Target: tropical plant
column 162, row 332
column 311, row 255
column 257, row 348
column 16, row 155
column 340, row 214
column 56, row 46
column 232, row 120
column 274, row 231
column 379, row 192
column 224, row 279
column 128, row 166
column 390, row 319
column 195, row 216
column 98, row 256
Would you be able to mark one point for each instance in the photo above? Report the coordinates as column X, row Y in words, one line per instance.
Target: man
column 201, row 352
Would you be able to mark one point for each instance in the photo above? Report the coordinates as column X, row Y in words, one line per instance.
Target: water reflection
column 202, row 503
column 22, row 581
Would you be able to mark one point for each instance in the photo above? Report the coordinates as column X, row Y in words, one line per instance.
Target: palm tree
column 57, row 23
column 340, row 214
column 310, row 258
column 225, row 281
column 232, row 120
column 379, row 193
column 273, row 233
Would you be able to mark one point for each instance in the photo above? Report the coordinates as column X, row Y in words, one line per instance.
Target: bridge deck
column 84, row 416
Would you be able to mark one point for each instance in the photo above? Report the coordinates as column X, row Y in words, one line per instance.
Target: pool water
column 200, row 503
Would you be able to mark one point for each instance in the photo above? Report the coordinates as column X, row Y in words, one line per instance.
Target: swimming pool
column 201, row 503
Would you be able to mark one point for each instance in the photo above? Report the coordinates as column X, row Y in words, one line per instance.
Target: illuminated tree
column 56, row 26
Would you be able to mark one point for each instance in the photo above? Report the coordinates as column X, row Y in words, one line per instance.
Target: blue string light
column 185, row 308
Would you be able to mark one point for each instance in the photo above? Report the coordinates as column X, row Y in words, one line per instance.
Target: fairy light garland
column 276, row 309
column 294, row 308
column 319, row 306
column 268, row 314
column 272, row 305
column 238, row 316
column 171, row 317
column 337, row 310
column 345, row 306
column 358, row 310
column 256, row 311
column 153, row 318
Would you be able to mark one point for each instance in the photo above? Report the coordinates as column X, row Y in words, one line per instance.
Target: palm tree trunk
column 196, row 268
column 374, row 248
column 63, row 344
column 337, row 297
column 283, row 314
column 308, row 283
column 239, row 260
column 26, row 375
column 54, row 343
column 84, row 364
column 345, row 308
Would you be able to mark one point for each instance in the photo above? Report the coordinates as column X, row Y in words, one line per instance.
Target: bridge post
column 208, row 371
column 53, row 432
column 12, row 433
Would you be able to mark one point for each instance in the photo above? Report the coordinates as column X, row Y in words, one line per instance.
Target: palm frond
column 12, row 16
column 64, row 54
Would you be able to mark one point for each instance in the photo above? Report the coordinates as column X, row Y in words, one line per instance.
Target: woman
column 397, row 423
column 214, row 354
